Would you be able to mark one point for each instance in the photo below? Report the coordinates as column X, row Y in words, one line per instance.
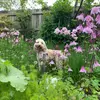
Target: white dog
column 45, row 55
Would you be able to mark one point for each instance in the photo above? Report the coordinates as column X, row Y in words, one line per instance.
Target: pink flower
column 63, row 57
column 61, row 31
column 98, row 33
column 64, row 29
column 66, row 50
column 96, row 64
column 79, row 28
column 73, row 43
column 78, row 49
column 67, row 32
column 88, row 18
column 82, row 70
column 87, row 30
column 74, row 31
column 16, row 33
column 69, row 69
column 93, row 35
column 73, row 35
column 57, row 31
column 90, row 25
column 2, row 35
column 95, row 10
column 80, row 17
column 67, row 46
column 98, row 19
column 51, row 62
column 16, row 40
column 68, row 54
column 58, row 53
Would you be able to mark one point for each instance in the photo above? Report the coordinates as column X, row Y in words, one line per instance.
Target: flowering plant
column 90, row 24
column 83, row 57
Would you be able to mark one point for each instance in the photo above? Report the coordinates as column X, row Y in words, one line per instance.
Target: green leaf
column 14, row 76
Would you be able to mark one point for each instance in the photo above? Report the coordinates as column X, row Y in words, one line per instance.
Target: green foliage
column 8, row 73
column 59, row 16
column 24, row 20
column 61, row 11
column 5, row 22
column 76, row 61
column 19, row 54
column 87, row 5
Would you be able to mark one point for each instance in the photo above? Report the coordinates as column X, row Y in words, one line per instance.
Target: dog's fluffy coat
column 45, row 55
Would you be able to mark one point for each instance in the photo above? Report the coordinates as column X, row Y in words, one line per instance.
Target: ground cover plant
column 80, row 78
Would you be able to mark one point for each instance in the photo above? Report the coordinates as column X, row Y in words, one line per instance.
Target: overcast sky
column 49, row 2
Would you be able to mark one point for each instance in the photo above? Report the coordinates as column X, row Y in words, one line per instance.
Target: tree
column 13, row 4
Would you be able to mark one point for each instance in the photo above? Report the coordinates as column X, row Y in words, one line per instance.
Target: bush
column 24, row 20
column 5, row 22
column 59, row 16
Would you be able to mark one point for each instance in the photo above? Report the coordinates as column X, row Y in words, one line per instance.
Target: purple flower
column 87, row 30
column 96, row 64
column 67, row 46
column 67, row 32
column 95, row 10
column 79, row 28
column 98, row 33
column 90, row 25
column 69, row 69
column 78, row 49
column 82, row 70
column 16, row 33
column 98, row 19
column 64, row 29
column 58, row 53
column 73, row 43
column 66, row 50
column 80, row 17
column 68, row 54
column 57, row 31
column 16, row 40
column 63, row 57
column 51, row 62
column 73, row 35
column 74, row 31
column 93, row 35
column 88, row 18
column 2, row 35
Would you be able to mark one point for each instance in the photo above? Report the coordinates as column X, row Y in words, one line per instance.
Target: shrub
column 60, row 15
column 5, row 22
column 24, row 20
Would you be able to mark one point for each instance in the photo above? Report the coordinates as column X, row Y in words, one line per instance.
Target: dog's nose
column 37, row 45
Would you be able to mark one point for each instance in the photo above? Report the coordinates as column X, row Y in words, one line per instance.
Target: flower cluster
column 64, row 31
column 13, row 34
column 90, row 23
column 77, row 49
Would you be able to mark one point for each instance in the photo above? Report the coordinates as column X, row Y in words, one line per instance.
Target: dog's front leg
column 59, row 63
column 39, row 64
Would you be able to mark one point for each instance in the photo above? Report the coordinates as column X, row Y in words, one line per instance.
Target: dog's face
column 40, row 45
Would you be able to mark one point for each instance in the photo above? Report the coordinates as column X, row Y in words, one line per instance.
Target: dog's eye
column 41, row 42
column 37, row 41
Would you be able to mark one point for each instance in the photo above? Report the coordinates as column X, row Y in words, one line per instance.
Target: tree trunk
column 79, row 8
column 74, row 9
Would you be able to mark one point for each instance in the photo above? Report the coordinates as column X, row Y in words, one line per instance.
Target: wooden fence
column 37, row 17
